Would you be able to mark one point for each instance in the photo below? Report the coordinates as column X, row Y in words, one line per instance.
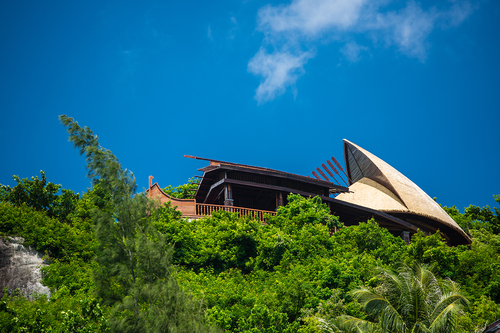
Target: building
column 375, row 190
column 493, row 327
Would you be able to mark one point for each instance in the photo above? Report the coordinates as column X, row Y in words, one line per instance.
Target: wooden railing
column 206, row 209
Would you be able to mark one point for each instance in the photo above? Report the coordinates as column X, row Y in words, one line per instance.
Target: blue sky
column 267, row 83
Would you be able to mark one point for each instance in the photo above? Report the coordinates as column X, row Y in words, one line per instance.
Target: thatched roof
column 377, row 185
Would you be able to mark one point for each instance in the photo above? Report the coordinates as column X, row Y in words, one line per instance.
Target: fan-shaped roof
column 377, row 185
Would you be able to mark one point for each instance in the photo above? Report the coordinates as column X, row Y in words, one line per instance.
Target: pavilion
column 375, row 190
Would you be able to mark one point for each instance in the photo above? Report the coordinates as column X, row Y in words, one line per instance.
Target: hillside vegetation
column 118, row 262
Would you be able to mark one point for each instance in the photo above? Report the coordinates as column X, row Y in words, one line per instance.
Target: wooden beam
column 269, row 187
column 299, row 178
column 370, row 212
column 220, row 182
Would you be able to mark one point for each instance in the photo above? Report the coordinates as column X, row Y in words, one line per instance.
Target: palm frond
column 377, row 304
column 350, row 324
column 412, row 300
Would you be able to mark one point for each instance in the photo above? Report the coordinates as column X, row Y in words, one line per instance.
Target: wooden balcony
column 207, row 209
column 193, row 210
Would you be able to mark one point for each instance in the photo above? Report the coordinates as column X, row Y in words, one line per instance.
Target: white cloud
column 234, row 28
column 310, row 17
column 352, row 51
column 458, row 12
column 302, row 23
column 209, row 34
column 409, row 29
column 279, row 70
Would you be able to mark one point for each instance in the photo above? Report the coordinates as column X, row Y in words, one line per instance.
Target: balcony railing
column 206, row 209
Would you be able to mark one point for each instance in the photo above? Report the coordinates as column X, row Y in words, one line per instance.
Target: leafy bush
column 58, row 239
column 40, row 195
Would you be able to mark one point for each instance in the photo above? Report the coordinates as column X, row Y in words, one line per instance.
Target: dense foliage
column 184, row 191
column 40, row 195
column 120, row 263
column 411, row 300
column 477, row 218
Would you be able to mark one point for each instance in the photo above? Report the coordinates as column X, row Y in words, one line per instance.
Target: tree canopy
column 119, row 262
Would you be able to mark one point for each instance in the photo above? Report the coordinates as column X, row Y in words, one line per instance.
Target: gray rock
column 20, row 267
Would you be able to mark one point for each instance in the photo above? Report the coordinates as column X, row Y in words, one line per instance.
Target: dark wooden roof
column 493, row 327
column 352, row 214
column 216, row 164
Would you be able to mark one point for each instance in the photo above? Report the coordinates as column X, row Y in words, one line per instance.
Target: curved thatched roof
column 377, row 185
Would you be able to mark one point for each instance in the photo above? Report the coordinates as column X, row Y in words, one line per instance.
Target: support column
column 228, row 195
column 280, row 199
column 406, row 237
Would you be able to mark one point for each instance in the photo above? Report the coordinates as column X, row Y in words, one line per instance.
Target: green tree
column 300, row 211
column 372, row 239
column 433, row 250
column 485, row 215
column 185, row 191
column 41, row 195
column 57, row 239
column 475, row 217
column 134, row 274
column 479, row 268
column 411, row 300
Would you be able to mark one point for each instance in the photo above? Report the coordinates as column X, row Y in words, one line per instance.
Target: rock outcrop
column 20, row 267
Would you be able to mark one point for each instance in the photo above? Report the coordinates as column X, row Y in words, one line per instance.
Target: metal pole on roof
column 329, row 172
column 336, row 171
column 322, row 174
column 340, row 168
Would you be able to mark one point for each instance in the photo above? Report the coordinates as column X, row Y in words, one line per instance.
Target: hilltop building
column 375, row 190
